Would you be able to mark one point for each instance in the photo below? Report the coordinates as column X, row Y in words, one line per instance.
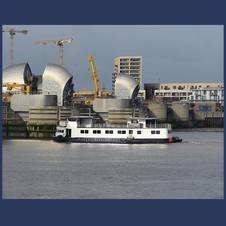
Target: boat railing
column 97, row 125
column 152, row 126
column 160, row 125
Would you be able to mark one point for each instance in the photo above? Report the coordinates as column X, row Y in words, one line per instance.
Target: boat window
column 111, row 131
column 123, row 132
column 157, row 131
column 107, row 131
column 153, row 132
column 81, row 131
column 68, row 132
column 119, row 131
column 94, row 131
column 138, row 131
column 99, row 131
column 86, row 131
column 130, row 131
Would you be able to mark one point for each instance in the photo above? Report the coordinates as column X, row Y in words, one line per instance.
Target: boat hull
column 111, row 140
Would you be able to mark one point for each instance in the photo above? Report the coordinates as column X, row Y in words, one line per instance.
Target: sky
column 171, row 53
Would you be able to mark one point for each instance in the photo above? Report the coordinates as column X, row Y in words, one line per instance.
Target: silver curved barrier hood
column 56, row 80
column 126, row 87
column 17, row 73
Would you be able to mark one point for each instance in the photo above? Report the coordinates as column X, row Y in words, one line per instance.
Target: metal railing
column 152, row 126
column 160, row 125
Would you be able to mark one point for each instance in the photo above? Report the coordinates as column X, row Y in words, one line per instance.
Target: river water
column 46, row 170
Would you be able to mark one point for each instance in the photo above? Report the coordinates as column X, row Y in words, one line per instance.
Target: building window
column 180, row 87
column 157, row 131
column 153, row 132
column 138, row 131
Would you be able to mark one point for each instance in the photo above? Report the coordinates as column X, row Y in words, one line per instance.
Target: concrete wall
column 103, row 105
column 179, row 111
column 22, row 102
column 120, row 116
column 158, row 110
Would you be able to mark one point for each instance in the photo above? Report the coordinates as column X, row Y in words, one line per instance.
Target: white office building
column 129, row 65
column 132, row 66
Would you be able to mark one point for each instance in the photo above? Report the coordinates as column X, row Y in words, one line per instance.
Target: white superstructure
column 83, row 129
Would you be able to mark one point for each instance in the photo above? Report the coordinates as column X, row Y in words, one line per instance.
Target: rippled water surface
column 44, row 169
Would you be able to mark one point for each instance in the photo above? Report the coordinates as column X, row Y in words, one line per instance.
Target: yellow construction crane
column 87, row 95
column 60, row 43
column 12, row 32
column 97, row 88
column 92, row 65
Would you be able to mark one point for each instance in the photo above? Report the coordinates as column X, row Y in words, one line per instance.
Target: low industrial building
column 192, row 95
column 191, row 92
column 190, row 85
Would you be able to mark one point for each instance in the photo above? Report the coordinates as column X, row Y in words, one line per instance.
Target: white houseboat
column 84, row 129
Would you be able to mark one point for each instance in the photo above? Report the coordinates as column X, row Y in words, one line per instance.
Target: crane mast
column 97, row 89
column 60, row 43
column 12, row 32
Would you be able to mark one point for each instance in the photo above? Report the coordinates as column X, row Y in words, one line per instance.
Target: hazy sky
column 170, row 53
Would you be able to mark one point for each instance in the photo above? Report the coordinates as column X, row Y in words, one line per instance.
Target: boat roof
column 81, row 116
column 143, row 118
